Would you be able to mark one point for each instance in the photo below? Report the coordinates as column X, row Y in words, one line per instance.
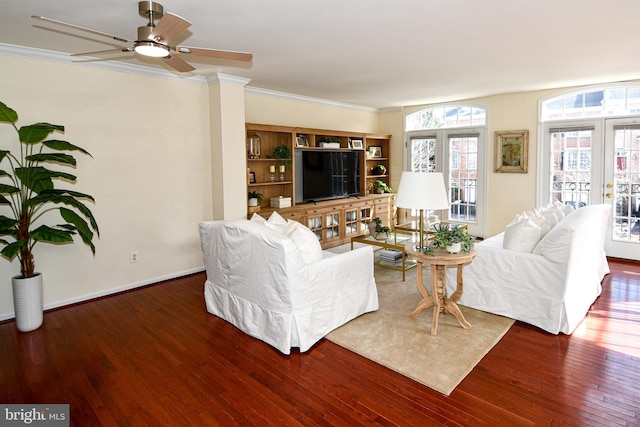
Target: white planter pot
column 454, row 248
column 27, row 302
column 253, row 202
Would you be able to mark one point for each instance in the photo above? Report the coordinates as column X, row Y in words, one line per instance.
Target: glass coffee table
column 389, row 252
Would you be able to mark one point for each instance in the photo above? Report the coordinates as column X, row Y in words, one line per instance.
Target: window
column 446, row 117
column 571, row 166
column 612, row 101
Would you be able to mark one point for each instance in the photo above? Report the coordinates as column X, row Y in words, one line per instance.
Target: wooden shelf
column 261, row 184
column 273, row 136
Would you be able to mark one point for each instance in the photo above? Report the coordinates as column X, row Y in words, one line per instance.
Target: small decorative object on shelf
column 379, row 170
column 356, row 144
column 272, row 173
column 253, row 146
column 282, row 170
column 280, row 202
column 377, row 230
column 281, row 153
column 381, row 187
column 329, row 142
column 453, row 239
column 375, row 151
column 255, row 198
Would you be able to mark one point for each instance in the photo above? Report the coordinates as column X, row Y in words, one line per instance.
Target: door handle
column 608, row 195
column 609, row 185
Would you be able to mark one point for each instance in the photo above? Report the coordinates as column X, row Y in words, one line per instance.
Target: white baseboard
column 87, row 297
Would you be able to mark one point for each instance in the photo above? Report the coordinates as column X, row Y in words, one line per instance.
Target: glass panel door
column 460, row 157
column 571, row 166
column 622, row 187
column 423, row 154
column 463, row 178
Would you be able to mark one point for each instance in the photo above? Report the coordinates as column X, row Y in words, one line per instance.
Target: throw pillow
column 521, row 236
column 305, row 240
column 276, row 222
column 556, row 245
column 257, row 218
column 544, row 225
column 566, row 209
column 551, row 215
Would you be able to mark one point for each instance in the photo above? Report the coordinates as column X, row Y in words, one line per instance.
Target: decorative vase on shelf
column 253, row 146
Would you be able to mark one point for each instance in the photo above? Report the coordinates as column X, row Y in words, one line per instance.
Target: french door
column 597, row 161
column 622, row 186
column 459, row 155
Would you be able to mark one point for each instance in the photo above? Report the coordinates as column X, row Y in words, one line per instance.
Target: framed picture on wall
column 511, row 151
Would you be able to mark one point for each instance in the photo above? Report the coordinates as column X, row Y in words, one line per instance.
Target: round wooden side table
column 439, row 260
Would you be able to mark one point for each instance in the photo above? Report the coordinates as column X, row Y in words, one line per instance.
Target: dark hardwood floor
column 153, row 356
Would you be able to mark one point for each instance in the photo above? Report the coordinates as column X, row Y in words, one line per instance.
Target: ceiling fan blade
column 168, row 27
column 214, row 53
column 77, row 27
column 99, row 52
column 178, row 64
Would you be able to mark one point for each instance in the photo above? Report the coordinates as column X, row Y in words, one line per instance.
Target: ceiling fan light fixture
column 151, row 48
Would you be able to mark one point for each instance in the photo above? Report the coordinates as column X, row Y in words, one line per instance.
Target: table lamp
column 424, row 191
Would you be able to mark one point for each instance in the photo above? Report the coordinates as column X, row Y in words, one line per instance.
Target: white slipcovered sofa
column 546, row 269
column 273, row 281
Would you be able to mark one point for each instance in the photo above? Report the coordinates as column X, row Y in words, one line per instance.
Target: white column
column 228, row 156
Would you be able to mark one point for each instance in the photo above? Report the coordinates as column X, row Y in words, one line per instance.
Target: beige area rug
column 391, row 338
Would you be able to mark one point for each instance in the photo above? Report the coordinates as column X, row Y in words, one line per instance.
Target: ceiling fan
column 154, row 39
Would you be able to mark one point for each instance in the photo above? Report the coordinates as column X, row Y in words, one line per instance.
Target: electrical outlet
column 134, row 256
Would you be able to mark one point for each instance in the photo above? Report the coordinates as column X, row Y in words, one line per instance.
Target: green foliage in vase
column 446, row 235
column 382, row 186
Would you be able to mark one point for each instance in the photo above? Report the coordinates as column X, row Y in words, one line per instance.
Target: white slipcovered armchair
column 273, row 281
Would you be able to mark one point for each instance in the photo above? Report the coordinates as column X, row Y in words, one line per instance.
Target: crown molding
column 226, row 78
column 294, row 97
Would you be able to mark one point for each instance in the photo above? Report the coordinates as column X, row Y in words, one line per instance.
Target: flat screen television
column 323, row 174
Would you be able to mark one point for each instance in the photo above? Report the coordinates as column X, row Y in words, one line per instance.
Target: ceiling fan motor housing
column 144, row 31
column 150, row 9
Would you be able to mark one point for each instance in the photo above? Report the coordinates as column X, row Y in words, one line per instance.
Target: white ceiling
column 369, row 52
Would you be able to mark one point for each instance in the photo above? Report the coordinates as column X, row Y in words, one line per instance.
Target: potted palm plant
column 27, row 198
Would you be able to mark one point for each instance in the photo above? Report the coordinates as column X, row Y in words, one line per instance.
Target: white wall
column 150, row 173
column 275, row 110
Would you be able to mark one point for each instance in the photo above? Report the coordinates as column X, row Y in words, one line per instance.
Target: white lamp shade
column 422, row 190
